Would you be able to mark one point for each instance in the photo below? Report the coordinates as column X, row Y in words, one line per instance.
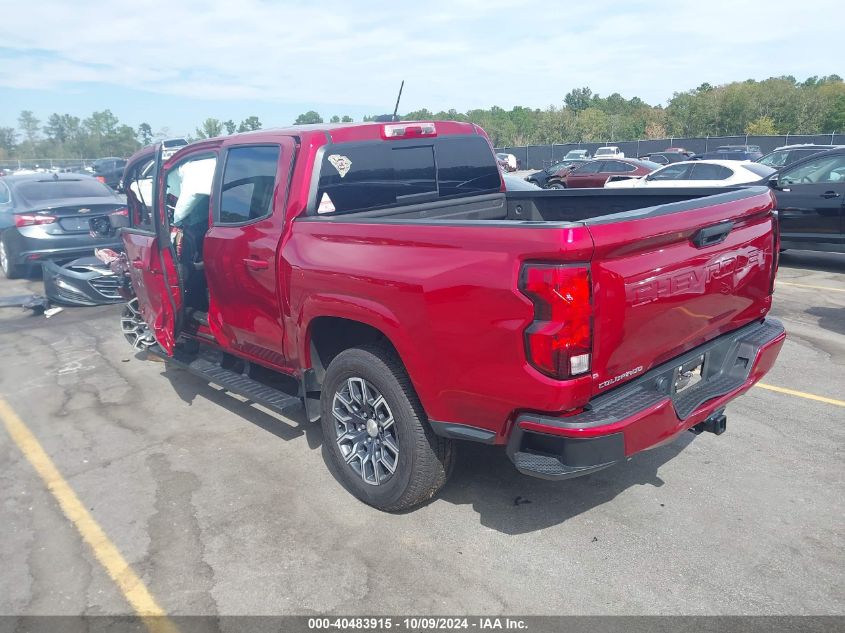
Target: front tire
column 556, row 185
column 7, row 258
column 375, row 433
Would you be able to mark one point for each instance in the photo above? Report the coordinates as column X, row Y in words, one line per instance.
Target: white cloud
column 455, row 53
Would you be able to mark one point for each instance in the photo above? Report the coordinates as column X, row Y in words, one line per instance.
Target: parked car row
column 780, row 157
column 697, row 173
column 808, row 182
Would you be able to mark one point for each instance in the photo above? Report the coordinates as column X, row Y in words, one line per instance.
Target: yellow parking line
column 104, row 550
column 802, row 394
column 789, row 283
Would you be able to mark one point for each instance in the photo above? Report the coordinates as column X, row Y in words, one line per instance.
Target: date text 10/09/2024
column 417, row 623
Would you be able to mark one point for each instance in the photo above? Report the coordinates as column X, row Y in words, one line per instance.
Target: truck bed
column 554, row 205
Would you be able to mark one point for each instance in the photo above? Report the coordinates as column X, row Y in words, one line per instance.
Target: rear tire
column 7, row 257
column 375, row 431
column 556, row 185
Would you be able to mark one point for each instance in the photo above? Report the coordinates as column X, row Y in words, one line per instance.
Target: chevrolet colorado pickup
column 384, row 271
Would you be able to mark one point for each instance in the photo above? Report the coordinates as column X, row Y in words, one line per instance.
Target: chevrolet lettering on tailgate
column 728, row 270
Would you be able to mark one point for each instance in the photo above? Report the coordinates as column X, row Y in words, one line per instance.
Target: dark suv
column 732, row 152
column 109, row 171
column 664, row 158
column 811, row 202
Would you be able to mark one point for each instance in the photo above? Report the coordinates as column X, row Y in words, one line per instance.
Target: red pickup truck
column 384, row 271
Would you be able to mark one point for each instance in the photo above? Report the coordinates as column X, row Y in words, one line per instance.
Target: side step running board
column 235, row 382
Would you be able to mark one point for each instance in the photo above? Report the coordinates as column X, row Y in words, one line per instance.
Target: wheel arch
column 331, row 323
column 328, row 336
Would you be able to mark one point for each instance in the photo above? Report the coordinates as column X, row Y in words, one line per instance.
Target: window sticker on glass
column 326, row 204
column 341, row 163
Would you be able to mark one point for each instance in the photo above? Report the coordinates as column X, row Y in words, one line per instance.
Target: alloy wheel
column 134, row 328
column 365, row 431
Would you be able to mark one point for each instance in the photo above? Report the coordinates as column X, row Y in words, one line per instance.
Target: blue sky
column 172, row 63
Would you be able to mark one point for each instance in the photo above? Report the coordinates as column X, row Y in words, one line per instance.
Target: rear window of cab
column 375, row 175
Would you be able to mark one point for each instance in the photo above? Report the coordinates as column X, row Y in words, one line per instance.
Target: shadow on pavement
column 512, row 503
column 484, row 477
column 831, row 319
column 288, row 427
column 811, row 260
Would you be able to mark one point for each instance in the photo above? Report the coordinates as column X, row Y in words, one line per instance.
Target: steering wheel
column 805, row 180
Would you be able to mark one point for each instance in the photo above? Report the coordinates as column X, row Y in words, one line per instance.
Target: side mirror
column 774, row 182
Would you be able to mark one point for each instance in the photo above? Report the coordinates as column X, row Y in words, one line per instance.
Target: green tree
column 8, row 140
column 56, row 129
column 250, row 124
column 307, row 118
column 145, row 133
column 832, row 94
column 346, row 119
column 124, row 141
column 101, row 131
column 210, row 128
column 593, row 125
column 334, row 119
column 578, row 99
column 230, row 126
column 418, row 115
column 762, row 126
column 29, row 125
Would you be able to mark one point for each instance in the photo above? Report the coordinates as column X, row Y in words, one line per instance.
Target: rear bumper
column 644, row 413
column 32, row 245
column 64, row 253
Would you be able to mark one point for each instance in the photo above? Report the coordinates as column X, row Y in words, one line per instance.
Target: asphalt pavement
column 221, row 507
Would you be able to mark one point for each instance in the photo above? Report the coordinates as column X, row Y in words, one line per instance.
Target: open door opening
column 152, row 259
column 187, row 197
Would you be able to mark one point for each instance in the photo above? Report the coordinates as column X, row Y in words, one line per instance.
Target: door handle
column 256, row 264
column 830, row 194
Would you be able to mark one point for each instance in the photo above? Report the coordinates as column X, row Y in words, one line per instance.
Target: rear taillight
column 32, row 219
column 100, row 179
column 122, row 212
column 559, row 342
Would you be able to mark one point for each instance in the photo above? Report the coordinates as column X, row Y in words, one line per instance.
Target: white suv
column 610, row 151
column 170, row 146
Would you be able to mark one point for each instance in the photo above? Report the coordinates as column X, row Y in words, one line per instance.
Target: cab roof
column 335, row 132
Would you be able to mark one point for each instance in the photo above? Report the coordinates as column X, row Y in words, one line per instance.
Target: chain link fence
column 47, row 164
column 541, row 156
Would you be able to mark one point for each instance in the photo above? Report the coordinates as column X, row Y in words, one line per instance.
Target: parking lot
column 221, row 507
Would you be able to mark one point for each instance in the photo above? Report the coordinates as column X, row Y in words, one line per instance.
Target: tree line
column 778, row 105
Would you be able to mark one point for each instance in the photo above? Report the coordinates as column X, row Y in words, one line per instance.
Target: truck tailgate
column 668, row 279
